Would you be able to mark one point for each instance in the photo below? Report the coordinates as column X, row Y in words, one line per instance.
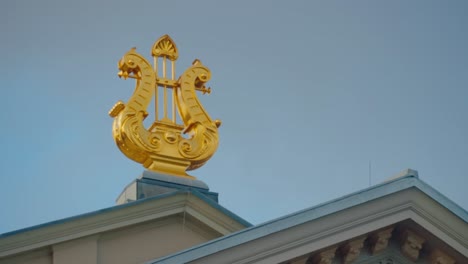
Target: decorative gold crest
column 164, row 46
column 166, row 147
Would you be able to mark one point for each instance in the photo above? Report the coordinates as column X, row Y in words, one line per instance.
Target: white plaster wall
column 79, row 251
column 140, row 244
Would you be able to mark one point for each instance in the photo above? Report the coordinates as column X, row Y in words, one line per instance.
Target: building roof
column 188, row 201
column 408, row 182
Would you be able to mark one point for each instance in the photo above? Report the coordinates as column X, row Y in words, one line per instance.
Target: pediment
column 425, row 227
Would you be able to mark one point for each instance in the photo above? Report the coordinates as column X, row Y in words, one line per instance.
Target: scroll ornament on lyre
column 166, row 147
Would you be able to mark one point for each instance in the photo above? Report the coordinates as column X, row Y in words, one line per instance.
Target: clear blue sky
column 308, row 91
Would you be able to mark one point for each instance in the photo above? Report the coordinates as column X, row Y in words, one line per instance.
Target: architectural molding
column 379, row 240
column 324, row 257
column 351, row 250
column 411, row 244
column 388, row 256
column 446, row 228
column 204, row 212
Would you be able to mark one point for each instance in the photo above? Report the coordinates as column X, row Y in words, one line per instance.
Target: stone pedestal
column 151, row 184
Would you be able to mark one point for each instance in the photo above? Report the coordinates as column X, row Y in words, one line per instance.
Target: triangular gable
column 344, row 219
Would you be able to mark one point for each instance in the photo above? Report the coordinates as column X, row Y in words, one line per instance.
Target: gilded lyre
column 163, row 148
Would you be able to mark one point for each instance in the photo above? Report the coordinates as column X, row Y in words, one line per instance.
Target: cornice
column 447, row 232
column 349, row 230
column 331, row 236
column 208, row 215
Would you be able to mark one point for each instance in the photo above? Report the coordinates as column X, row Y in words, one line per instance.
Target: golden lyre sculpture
column 166, row 147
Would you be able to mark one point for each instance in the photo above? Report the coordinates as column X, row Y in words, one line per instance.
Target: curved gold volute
column 163, row 147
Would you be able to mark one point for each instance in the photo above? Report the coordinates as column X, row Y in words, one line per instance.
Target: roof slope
column 417, row 191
